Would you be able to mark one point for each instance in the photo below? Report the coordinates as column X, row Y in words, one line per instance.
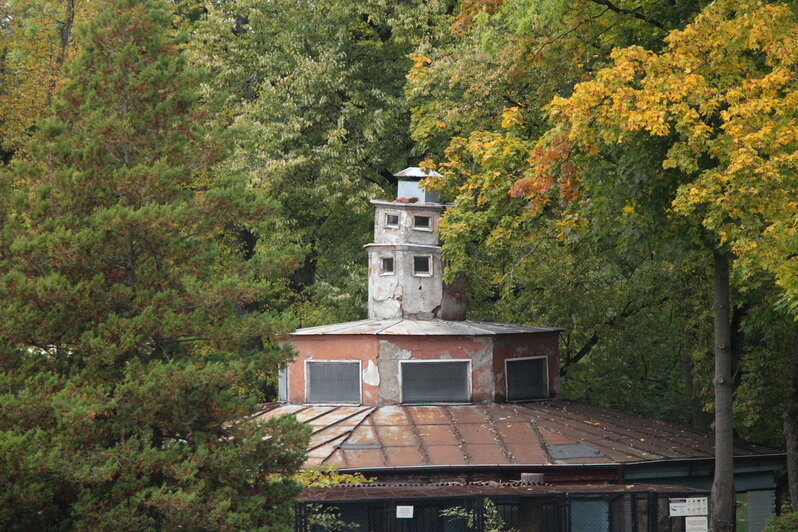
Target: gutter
column 513, row 467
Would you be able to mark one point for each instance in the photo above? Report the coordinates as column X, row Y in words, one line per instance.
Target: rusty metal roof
column 529, row 434
column 422, row 328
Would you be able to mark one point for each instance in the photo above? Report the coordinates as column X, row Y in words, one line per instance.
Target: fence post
column 299, row 517
column 479, row 514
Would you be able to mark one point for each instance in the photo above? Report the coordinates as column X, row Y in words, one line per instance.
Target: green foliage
column 316, row 88
column 595, row 260
column 783, row 523
column 327, row 476
column 722, row 97
column 585, row 236
column 328, row 518
column 128, row 325
column 325, row 516
column 491, row 519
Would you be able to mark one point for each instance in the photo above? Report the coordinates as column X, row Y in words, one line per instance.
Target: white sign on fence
column 404, row 512
column 696, row 524
column 688, row 506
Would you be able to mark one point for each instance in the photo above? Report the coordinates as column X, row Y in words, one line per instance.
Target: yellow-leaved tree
column 36, row 38
column 722, row 96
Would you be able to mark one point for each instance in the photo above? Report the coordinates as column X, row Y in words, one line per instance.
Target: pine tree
column 124, row 340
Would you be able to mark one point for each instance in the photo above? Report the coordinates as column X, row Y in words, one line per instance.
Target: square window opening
column 386, row 265
column 423, row 223
column 333, row 382
column 391, row 220
column 422, row 265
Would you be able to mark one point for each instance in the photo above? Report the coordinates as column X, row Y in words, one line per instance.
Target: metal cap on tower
column 409, row 187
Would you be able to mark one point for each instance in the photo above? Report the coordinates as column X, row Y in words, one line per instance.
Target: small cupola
column 409, row 189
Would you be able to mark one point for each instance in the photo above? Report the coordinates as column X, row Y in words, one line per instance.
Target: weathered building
column 445, row 412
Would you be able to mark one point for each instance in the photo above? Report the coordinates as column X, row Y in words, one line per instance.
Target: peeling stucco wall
column 476, row 349
column 388, row 357
column 380, row 358
column 403, row 294
column 525, row 346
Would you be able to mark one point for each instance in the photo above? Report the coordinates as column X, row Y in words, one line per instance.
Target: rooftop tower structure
column 405, row 267
column 416, row 346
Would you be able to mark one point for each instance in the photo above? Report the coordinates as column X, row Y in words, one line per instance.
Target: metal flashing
column 422, row 327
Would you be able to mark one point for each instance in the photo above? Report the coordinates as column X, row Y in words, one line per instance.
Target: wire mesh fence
column 625, row 512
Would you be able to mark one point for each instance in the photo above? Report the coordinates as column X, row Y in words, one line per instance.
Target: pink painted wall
column 474, row 348
column 487, row 355
column 329, row 347
column 522, row 346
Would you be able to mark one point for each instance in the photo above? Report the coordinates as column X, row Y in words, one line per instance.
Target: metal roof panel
column 493, row 434
column 415, row 171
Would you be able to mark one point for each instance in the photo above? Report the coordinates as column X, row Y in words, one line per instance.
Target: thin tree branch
column 633, row 13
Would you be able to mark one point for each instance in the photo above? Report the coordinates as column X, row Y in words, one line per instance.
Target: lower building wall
column 754, row 483
column 610, row 512
column 754, row 508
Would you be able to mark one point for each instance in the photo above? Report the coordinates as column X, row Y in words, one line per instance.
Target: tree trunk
column 791, row 426
column 723, row 484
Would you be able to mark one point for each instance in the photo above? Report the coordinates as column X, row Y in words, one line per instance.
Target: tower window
column 527, row 378
column 422, row 223
column 386, row 266
column 422, row 265
column 332, row 382
column 435, row 381
column 391, row 220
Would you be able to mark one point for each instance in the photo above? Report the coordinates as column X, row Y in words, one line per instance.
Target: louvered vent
column 527, row 379
column 435, row 382
column 333, row 382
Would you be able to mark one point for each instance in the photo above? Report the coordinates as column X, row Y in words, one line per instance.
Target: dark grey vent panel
column 333, row 382
column 572, row 450
column 435, row 382
column 359, row 446
column 527, row 379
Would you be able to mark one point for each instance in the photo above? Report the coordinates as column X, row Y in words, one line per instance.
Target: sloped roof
column 540, row 433
column 415, row 171
column 422, row 328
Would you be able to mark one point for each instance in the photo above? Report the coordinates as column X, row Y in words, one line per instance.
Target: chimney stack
column 405, row 268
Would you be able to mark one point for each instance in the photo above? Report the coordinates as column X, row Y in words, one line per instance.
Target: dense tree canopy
column 317, row 90
column 124, row 342
column 660, row 155
column 189, row 179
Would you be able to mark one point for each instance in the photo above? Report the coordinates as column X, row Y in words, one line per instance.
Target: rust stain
column 541, row 442
column 456, row 432
column 422, row 449
column 499, row 438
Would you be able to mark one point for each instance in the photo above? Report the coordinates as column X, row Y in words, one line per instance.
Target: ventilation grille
column 572, row 450
column 333, row 382
column 435, row 382
column 527, row 379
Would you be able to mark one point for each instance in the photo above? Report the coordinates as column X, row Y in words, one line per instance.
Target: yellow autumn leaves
column 725, row 91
